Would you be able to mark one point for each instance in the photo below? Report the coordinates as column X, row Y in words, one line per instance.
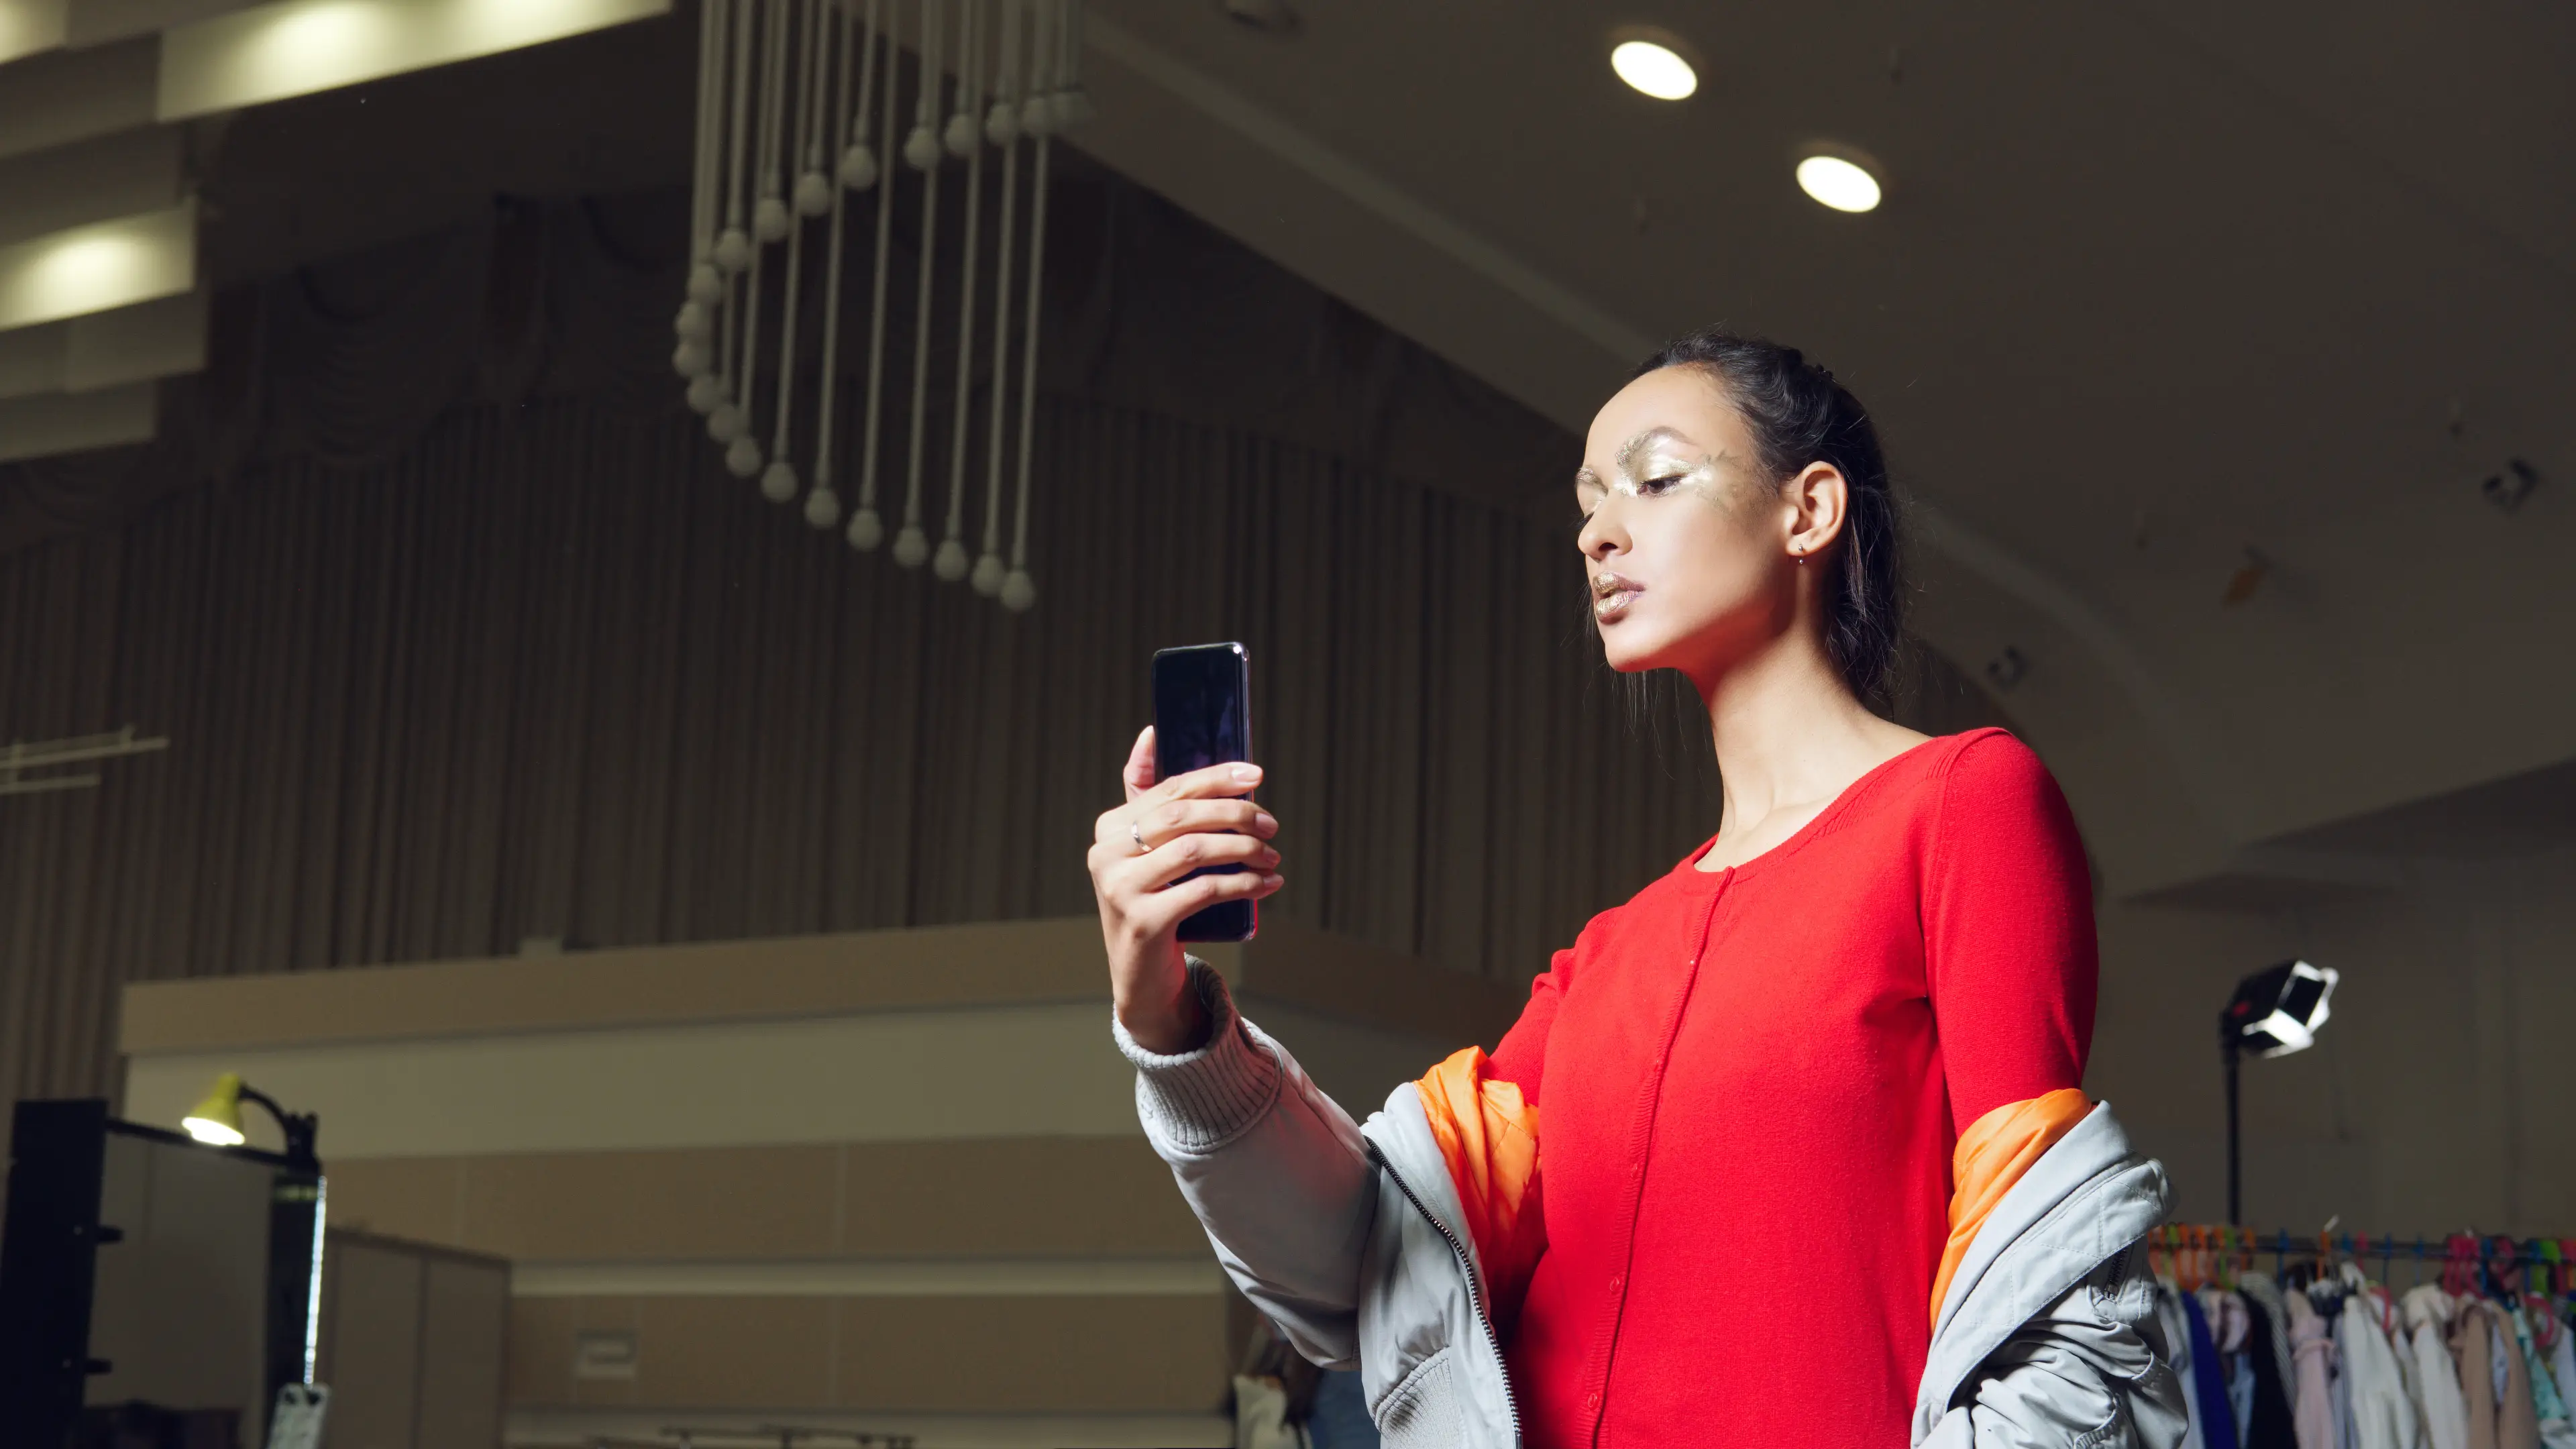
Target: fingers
column 1159, row 867
column 1215, row 780
column 1138, row 773
column 1164, row 909
column 1156, row 824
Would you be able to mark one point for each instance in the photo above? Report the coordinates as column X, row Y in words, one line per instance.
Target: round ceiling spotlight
column 1838, row 182
column 1652, row 64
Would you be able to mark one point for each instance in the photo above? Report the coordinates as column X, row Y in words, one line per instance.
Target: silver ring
column 1136, row 834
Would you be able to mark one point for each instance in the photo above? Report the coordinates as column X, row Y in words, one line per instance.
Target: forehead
column 1683, row 399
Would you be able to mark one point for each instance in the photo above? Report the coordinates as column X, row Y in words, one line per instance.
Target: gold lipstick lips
column 1611, row 595
column 1605, row 584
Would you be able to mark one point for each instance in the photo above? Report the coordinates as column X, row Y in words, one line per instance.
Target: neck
column 1787, row 729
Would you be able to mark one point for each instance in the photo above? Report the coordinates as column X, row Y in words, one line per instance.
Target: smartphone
column 1202, row 717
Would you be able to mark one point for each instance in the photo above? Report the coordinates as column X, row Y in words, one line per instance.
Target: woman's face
column 1689, row 548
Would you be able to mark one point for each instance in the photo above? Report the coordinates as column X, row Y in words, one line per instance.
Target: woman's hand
column 1139, row 850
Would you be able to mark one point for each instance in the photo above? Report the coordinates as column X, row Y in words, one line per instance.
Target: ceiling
column 2153, row 287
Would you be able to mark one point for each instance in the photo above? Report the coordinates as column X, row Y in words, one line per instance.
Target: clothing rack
column 2555, row 1258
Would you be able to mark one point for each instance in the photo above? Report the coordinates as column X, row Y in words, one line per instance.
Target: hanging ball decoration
column 911, row 546
column 866, row 530
column 1019, row 591
column 706, row 284
column 1002, row 123
column 813, row 193
column 725, row 423
column 769, row 219
column 960, row 135
column 1037, row 116
column 690, row 360
column 822, row 508
column 858, row 168
column 704, row 392
column 921, row 149
column 778, row 482
column 950, row 565
column 742, row 456
column 1073, row 107
column 696, row 322
column 733, row 250
column 987, row 578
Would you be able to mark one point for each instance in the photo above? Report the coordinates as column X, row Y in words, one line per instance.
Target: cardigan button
column 1592, row 1403
column 1618, row 1281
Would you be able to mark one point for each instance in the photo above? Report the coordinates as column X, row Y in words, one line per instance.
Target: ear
column 1819, row 499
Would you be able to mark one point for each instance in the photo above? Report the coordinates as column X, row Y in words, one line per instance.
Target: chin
column 1628, row 650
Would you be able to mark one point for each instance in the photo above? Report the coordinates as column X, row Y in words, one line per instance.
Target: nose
column 1603, row 534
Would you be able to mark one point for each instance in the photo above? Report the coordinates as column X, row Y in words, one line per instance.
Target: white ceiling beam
column 35, row 360
column 122, row 174
column 40, row 427
column 164, row 338
column 92, row 268
column 70, row 95
column 298, row 47
column 31, row 27
column 95, row 22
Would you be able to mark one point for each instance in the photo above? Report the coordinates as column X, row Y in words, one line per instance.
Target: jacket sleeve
column 1275, row 1170
column 2089, row 1373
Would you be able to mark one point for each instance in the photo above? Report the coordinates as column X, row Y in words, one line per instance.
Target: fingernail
column 1264, row 821
column 1273, row 881
column 1247, row 772
column 1269, row 857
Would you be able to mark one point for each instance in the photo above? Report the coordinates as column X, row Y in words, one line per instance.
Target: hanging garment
column 2175, row 1327
column 2312, row 1354
column 2382, row 1415
column 2554, row 1430
column 2229, row 1328
column 2269, row 1426
column 2562, row 1363
column 2428, row 1313
column 2208, row 1381
column 2473, row 1347
column 2381, row 1303
column 2240, row 1394
column 2518, row 1417
column 1340, row 1418
column 2261, row 1292
column 1261, row 1416
column 2331, row 1308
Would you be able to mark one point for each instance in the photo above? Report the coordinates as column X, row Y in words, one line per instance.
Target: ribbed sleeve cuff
column 1197, row 1101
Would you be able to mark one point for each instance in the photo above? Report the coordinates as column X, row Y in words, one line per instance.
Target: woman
column 1789, row 1149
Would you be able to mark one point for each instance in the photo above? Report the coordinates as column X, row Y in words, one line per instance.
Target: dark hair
column 1798, row 415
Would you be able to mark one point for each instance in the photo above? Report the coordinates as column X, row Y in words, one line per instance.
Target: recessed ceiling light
column 1656, row 69
column 1840, row 184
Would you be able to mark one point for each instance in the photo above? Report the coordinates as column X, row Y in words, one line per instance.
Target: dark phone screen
column 1202, row 717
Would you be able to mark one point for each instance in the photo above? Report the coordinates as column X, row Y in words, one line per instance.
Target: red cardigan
column 1750, row 1081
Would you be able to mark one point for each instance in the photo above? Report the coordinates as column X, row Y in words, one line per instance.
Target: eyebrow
column 1629, row 452
column 1634, row 448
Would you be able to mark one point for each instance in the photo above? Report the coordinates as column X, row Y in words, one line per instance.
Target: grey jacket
column 1347, row 1237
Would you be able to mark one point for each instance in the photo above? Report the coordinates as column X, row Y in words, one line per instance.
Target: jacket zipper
column 1475, row 1291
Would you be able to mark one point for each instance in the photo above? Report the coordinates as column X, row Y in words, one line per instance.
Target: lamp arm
column 299, row 1128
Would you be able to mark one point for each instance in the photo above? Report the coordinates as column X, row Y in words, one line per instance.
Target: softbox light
column 2277, row 1010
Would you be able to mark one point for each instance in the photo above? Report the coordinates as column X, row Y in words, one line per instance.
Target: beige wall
column 2438, row 1097
column 894, row 1177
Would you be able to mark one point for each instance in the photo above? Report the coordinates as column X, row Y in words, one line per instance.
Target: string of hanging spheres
column 796, row 104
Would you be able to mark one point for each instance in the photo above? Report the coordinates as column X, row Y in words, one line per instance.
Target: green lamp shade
column 217, row 1119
